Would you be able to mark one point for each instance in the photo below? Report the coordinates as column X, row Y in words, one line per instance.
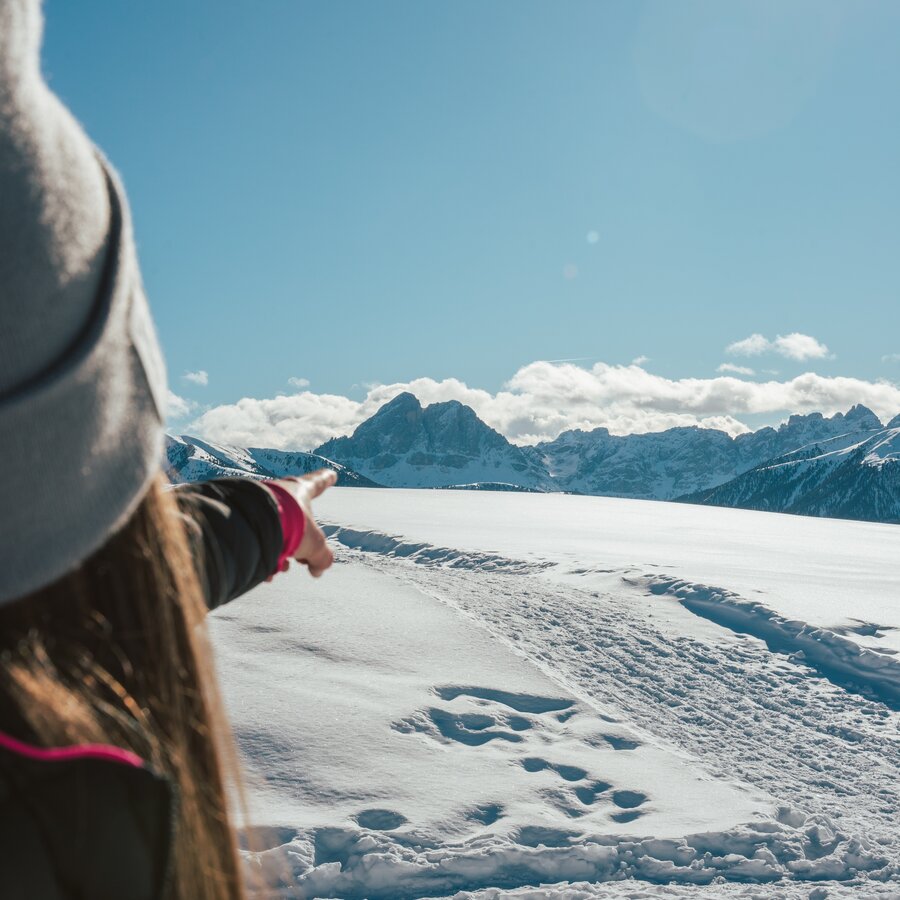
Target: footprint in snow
column 537, row 835
column 475, row 729
column 487, row 814
column 471, row 729
column 569, row 773
column 620, row 743
column 629, row 799
column 526, row 703
column 526, row 721
column 626, row 816
column 380, row 819
column 590, row 794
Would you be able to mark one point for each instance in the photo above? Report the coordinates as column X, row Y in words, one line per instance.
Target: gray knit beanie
column 82, row 381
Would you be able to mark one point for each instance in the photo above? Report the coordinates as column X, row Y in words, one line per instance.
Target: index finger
column 320, row 481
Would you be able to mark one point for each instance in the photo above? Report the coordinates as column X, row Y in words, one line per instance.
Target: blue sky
column 362, row 194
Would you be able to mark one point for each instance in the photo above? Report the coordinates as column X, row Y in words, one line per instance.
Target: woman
column 115, row 760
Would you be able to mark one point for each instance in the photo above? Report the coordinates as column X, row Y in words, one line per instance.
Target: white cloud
column 799, row 346
column 543, row 399
column 179, row 407
column 640, row 360
column 735, row 370
column 794, row 346
column 199, row 377
column 755, row 345
column 891, row 358
column 299, row 383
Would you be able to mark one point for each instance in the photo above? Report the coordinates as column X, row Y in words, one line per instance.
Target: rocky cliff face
column 406, row 445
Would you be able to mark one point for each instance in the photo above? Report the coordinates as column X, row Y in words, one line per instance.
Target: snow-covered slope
column 190, row 459
column 500, row 690
column 844, row 478
column 668, row 464
column 835, row 578
column 443, row 444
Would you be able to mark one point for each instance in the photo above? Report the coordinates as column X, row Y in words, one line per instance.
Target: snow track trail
column 723, row 697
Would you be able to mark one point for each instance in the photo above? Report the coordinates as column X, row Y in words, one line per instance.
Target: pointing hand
column 313, row 551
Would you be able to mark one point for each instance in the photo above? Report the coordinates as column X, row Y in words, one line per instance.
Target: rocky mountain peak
column 404, row 407
column 404, row 400
column 862, row 417
column 453, row 425
column 440, row 444
column 394, row 427
column 798, row 419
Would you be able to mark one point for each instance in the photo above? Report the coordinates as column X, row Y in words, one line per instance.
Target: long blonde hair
column 116, row 653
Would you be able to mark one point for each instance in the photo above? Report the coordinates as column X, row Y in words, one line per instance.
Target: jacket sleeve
column 235, row 531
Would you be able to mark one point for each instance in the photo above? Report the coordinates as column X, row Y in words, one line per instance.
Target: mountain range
column 846, row 465
column 668, row 464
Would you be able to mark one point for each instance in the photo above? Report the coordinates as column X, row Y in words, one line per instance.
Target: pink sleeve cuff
column 293, row 522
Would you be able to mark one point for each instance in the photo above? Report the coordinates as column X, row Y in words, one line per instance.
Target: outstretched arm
column 235, row 533
column 243, row 532
column 54, row 205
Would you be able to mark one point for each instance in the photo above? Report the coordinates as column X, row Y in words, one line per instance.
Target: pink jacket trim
column 293, row 522
column 79, row 751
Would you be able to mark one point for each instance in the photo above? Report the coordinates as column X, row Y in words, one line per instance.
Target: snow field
column 485, row 721
column 833, row 576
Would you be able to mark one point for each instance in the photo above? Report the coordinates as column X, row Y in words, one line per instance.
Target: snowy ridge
column 191, row 459
column 835, row 656
column 848, row 477
column 879, row 448
column 427, row 554
column 884, row 450
column 358, row 863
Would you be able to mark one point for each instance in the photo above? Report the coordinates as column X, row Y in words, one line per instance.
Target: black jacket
column 236, row 534
column 85, row 826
